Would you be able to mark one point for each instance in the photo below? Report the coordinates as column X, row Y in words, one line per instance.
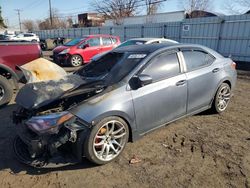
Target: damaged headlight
column 64, row 51
column 48, row 123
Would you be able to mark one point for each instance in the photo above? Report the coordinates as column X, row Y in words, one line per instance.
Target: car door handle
column 215, row 70
column 181, row 82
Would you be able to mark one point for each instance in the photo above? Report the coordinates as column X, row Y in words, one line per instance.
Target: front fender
column 117, row 102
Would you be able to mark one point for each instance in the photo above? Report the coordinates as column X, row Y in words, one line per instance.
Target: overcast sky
column 38, row 9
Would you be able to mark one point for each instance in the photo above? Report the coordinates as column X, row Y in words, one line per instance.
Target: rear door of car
column 165, row 98
column 93, row 48
column 202, row 76
column 107, row 44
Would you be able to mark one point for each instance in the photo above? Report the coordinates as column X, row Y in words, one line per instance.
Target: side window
column 163, row 66
column 28, row 35
column 196, row 59
column 155, row 42
column 106, row 41
column 114, row 40
column 94, row 42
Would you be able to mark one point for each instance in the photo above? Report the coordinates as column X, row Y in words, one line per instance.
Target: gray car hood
column 38, row 94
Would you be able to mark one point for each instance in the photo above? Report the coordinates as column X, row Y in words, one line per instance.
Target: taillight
column 233, row 65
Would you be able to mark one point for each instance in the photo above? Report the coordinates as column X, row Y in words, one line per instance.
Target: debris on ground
column 135, row 160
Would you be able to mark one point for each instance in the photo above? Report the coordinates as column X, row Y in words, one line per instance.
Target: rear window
column 196, row 59
column 132, row 42
column 74, row 42
column 28, row 35
column 114, row 40
column 106, row 41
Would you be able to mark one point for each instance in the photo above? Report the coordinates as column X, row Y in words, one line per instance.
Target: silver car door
column 202, row 76
column 165, row 98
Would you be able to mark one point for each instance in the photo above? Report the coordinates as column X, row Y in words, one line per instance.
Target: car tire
column 6, row 91
column 106, row 140
column 76, row 61
column 221, row 98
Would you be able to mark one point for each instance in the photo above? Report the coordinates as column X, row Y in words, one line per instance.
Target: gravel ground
column 199, row 151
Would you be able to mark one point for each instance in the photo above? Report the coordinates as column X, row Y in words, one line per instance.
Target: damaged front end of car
column 48, row 135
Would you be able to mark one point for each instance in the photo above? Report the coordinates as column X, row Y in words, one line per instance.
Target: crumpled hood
column 38, row 94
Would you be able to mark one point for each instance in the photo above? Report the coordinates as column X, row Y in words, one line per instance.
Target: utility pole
column 18, row 13
column 50, row 13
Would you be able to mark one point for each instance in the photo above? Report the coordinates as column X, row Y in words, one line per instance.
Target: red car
column 81, row 50
column 14, row 54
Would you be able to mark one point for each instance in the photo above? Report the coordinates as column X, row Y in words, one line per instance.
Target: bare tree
column 57, row 21
column 153, row 6
column 69, row 22
column 191, row 5
column 30, row 25
column 237, row 6
column 115, row 9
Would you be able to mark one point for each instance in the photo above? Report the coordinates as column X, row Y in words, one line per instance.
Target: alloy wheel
column 76, row 61
column 223, row 97
column 109, row 140
column 1, row 92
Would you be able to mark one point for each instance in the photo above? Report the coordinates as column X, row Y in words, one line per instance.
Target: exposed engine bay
column 48, row 134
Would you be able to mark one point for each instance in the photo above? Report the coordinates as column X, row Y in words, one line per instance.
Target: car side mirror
column 85, row 46
column 139, row 81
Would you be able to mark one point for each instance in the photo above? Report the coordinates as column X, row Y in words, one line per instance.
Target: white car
column 138, row 41
column 26, row 37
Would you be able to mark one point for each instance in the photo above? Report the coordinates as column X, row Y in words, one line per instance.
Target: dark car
column 80, row 50
column 3, row 37
column 127, row 93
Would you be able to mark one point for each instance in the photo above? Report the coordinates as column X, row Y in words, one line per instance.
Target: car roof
column 148, row 39
column 150, row 48
column 98, row 35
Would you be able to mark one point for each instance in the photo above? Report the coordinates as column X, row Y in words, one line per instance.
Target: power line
column 64, row 15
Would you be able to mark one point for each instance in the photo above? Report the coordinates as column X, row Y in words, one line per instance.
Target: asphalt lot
column 204, row 150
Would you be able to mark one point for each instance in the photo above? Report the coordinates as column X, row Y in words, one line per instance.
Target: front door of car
column 165, row 98
column 202, row 77
column 90, row 48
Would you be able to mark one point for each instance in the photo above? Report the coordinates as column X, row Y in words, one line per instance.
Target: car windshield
column 74, row 42
column 131, row 42
column 113, row 66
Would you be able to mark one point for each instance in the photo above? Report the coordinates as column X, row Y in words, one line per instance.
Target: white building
column 155, row 18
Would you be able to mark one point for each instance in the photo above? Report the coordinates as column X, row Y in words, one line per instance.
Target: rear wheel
column 76, row 60
column 6, row 91
column 222, row 98
column 106, row 140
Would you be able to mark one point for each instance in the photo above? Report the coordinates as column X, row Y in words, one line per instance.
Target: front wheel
column 222, row 98
column 76, row 60
column 106, row 140
column 6, row 91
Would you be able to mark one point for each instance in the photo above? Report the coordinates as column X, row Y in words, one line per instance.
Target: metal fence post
column 180, row 32
column 164, row 30
column 142, row 31
column 219, row 35
column 124, row 34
